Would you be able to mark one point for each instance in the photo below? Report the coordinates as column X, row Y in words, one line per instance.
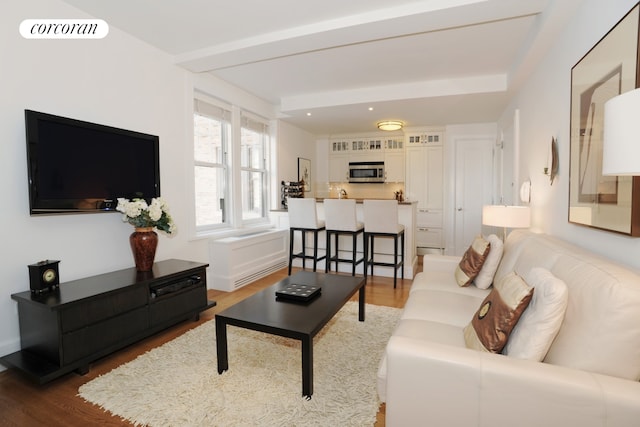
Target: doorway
column 473, row 187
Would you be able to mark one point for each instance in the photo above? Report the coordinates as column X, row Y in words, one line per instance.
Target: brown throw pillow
column 472, row 261
column 499, row 312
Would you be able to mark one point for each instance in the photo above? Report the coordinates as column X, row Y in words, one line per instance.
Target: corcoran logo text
column 64, row 28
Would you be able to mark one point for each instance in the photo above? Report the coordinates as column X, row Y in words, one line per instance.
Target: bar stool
column 340, row 219
column 381, row 220
column 303, row 217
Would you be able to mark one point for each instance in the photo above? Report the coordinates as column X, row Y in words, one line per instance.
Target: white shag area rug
column 177, row 384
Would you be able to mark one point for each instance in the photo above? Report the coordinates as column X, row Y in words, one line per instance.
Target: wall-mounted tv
column 76, row 166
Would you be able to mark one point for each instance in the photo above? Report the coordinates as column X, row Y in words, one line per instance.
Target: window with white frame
column 212, row 136
column 254, row 142
column 231, row 161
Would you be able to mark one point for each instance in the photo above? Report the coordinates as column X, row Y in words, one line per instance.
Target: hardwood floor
column 24, row 403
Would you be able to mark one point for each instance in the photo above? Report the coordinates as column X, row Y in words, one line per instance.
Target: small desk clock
column 43, row 276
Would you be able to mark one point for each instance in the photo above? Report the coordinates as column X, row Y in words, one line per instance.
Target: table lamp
column 621, row 139
column 506, row 217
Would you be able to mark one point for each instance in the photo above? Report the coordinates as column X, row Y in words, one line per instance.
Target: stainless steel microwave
column 366, row 172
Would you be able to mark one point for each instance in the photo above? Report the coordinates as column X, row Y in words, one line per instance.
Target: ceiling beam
column 415, row 90
column 420, row 17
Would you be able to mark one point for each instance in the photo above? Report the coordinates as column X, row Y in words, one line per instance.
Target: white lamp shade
column 506, row 216
column 621, row 140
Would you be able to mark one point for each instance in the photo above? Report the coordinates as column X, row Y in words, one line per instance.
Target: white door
column 473, row 187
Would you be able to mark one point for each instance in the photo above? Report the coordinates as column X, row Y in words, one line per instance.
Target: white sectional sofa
column 588, row 377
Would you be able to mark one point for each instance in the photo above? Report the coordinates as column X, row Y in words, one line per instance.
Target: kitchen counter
column 405, row 202
column 358, row 201
column 406, row 216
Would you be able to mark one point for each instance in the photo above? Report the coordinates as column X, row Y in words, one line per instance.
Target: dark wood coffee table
column 298, row 320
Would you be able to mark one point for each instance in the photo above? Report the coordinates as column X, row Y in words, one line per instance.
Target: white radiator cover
column 238, row 261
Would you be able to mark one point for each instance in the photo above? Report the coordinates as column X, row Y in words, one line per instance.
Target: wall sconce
column 506, row 216
column 390, row 125
column 525, row 191
column 551, row 169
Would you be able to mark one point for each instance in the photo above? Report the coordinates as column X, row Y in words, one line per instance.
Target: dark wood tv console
column 83, row 320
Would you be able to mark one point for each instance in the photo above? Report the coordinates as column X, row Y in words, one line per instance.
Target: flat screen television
column 76, row 166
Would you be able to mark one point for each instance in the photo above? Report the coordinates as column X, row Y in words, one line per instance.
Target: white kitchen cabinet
column 394, row 144
column 339, row 146
column 424, row 176
column 339, row 167
column 425, row 138
column 339, row 160
column 389, row 149
column 424, row 184
column 428, row 238
column 362, row 145
column 366, row 156
column 394, row 166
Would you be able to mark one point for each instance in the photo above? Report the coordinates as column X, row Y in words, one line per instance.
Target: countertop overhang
column 358, row 201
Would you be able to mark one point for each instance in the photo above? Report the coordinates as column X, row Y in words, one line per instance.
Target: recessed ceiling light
column 308, row 114
column 370, row 108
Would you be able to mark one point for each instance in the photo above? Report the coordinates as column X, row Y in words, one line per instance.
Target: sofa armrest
column 434, row 262
column 436, row 385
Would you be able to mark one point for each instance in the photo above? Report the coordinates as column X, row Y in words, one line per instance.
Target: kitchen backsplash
column 358, row 191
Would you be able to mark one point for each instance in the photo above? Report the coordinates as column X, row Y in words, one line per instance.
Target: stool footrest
column 385, row 264
column 300, row 255
column 349, row 260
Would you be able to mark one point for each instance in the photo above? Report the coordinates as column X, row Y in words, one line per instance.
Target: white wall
column 118, row 81
column 544, row 105
column 294, row 142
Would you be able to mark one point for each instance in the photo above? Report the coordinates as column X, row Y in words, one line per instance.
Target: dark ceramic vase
column 144, row 242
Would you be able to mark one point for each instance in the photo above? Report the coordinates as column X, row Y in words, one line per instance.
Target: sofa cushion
column 492, row 323
column 600, row 332
column 426, row 330
column 601, row 329
column 540, row 322
column 484, row 279
column 523, row 251
column 472, row 261
column 441, row 306
column 444, row 281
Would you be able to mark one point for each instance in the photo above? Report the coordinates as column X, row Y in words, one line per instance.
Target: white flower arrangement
column 142, row 215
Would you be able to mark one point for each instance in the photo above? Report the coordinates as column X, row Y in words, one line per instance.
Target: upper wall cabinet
column 339, row 167
column 394, row 144
column 394, row 166
column 389, row 149
column 424, row 138
column 339, row 146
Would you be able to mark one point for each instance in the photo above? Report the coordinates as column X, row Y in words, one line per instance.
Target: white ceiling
column 428, row 62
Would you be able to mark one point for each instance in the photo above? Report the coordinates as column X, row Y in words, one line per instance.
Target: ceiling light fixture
column 390, row 125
